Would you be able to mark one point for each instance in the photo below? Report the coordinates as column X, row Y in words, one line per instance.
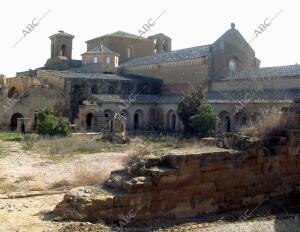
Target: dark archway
column 108, row 115
column 228, row 124
column 89, row 121
column 111, row 90
column 225, row 122
column 14, row 121
column 173, row 122
column 138, row 120
column 35, row 120
column 94, row 89
column 12, row 92
column 63, row 50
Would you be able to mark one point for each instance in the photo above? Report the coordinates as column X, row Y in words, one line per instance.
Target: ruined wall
column 21, row 83
column 192, row 183
column 50, row 80
column 37, row 98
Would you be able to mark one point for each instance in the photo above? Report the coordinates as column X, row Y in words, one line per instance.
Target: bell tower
column 61, row 45
column 61, row 51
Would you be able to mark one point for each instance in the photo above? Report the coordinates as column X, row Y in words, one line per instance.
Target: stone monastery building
column 142, row 78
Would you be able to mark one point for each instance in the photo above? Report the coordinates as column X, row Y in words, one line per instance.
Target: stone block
column 169, row 194
column 206, row 189
column 258, row 200
column 186, row 191
column 187, row 180
column 207, row 206
column 165, row 182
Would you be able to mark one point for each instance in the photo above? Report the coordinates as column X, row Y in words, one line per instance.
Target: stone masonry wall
column 189, row 184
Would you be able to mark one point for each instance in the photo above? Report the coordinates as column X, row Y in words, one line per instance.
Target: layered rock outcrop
column 191, row 183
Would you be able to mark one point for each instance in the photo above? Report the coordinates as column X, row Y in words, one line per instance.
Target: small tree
column 205, row 120
column 187, row 107
column 48, row 124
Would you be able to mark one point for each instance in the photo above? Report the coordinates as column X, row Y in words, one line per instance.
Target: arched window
column 77, row 89
column 94, row 89
column 63, row 50
column 171, row 120
column 129, row 52
column 14, row 120
column 225, row 122
column 233, row 65
column 111, row 90
column 89, row 121
column 138, row 120
column 108, row 116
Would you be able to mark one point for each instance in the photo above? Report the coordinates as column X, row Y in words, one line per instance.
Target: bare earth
column 22, row 171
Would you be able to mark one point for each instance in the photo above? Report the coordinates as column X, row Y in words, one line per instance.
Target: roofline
column 251, row 78
column 108, row 35
column 164, row 62
column 165, row 53
column 160, row 34
column 101, row 53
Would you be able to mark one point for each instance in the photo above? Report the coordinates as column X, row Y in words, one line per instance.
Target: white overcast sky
column 189, row 23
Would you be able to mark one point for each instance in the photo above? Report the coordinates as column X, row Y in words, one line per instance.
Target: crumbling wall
column 191, row 183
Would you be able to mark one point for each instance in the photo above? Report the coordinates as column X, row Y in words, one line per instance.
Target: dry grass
column 71, row 145
column 37, row 186
column 270, row 122
column 3, row 151
column 59, row 149
column 83, row 176
column 136, row 154
column 6, row 188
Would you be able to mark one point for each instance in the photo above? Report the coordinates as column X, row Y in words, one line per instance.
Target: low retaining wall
column 189, row 184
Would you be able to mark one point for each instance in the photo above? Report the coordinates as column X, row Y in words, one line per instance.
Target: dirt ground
column 23, row 171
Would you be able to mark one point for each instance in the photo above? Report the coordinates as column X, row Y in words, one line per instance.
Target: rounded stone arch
column 240, row 119
column 225, row 122
column 126, row 115
column 94, row 89
column 111, row 90
column 234, row 64
column 90, row 120
column 12, row 92
column 138, row 120
column 63, row 50
column 14, row 120
column 255, row 117
column 171, row 120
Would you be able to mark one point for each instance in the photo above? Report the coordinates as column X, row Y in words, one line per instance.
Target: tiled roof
column 124, row 34
column 277, row 71
column 100, row 49
column 62, row 33
column 245, row 96
column 117, row 77
column 135, row 98
column 182, row 54
column 119, row 34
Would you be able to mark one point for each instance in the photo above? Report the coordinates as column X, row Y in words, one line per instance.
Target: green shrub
column 62, row 128
column 205, row 120
column 187, row 107
column 48, row 124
